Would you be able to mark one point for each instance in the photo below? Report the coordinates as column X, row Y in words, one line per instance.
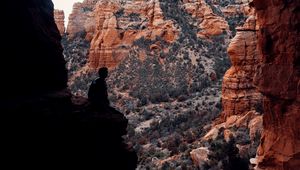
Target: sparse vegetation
column 233, row 22
column 225, row 155
column 169, row 96
column 75, row 52
column 119, row 13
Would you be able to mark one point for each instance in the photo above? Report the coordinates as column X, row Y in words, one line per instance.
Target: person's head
column 103, row 72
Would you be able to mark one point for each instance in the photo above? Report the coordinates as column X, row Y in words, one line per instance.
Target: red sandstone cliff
column 278, row 78
column 241, row 101
column 238, row 92
column 59, row 17
column 113, row 26
column 114, row 35
column 209, row 23
column 242, row 7
column 82, row 19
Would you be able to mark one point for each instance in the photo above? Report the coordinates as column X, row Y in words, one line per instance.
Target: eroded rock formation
column 241, row 101
column 59, row 17
column 118, row 26
column 238, row 92
column 199, row 156
column 278, row 79
column 82, row 20
column 112, row 27
column 209, row 23
column 243, row 7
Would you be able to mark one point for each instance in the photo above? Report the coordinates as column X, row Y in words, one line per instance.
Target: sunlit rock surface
column 59, row 17
column 238, row 92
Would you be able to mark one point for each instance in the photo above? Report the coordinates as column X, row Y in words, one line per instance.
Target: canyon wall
column 268, row 74
column 82, row 20
column 241, row 101
column 238, row 92
column 209, row 23
column 113, row 27
column 278, row 79
column 59, row 17
column 34, row 71
column 118, row 26
column 106, row 33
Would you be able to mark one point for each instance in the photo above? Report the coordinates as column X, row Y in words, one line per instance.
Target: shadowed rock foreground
column 53, row 131
column 44, row 126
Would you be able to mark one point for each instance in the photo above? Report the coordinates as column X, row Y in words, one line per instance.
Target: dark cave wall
column 32, row 60
column 42, row 127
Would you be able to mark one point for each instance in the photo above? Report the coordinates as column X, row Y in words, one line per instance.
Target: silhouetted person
column 98, row 90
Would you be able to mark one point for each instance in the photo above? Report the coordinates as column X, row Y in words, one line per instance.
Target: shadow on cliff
column 44, row 127
column 54, row 131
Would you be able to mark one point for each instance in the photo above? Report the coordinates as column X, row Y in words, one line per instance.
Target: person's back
column 98, row 90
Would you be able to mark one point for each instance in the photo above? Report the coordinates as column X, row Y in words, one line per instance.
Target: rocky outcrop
column 107, row 36
column 238, row 92
column 244, row 129
column 118, row 26
column 278, row 79
column 59, row 17
column 232, row 10
column 82, row 20
column 209, row 23
column 112, row 27
column 241, row 101
column 199, row 156
column 239, row 6
column 251, row 120
column 39, row 115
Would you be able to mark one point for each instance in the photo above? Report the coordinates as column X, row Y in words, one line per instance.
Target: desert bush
column 225, row 155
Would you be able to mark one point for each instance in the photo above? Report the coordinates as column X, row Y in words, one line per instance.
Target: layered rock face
column 214, row 17
column 209, row 23
column 118, row 26
column 113, row 27
column 59, row 17
column 82, row 19
column 241, row 7
column 106, row 38
column 278, row 79
column 238, row 92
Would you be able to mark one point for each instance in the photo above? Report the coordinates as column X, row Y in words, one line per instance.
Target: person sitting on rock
column 97, row 94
